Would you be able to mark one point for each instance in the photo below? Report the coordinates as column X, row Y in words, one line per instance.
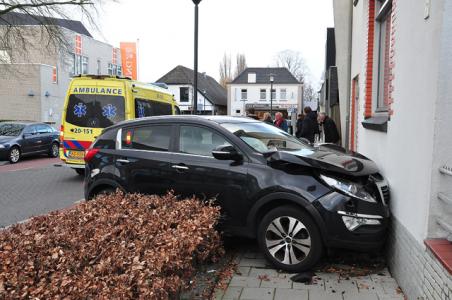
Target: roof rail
column 101, row 76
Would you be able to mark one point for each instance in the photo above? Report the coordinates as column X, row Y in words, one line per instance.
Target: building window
column 244, row 94
column 384, row 46
column 273, row 94
column 283, row 94
column 237, row 111
column 84, row 66
column 110, row 69
column 54, row 75
column 263, row 94
column 119, row 70
column 184, row 94
column 98, row 67
column 77, row 65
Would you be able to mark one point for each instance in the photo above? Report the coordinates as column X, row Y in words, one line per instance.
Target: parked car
column 19, row 139
column 294, row 198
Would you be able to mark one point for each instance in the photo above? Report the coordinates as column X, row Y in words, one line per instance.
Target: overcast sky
column 257, row 28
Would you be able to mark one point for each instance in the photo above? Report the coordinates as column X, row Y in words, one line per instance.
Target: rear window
column 148, row 108
column 107, row 140
column 97, row 111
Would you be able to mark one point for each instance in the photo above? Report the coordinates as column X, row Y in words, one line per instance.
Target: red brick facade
column 370, row 59
column 390, row 85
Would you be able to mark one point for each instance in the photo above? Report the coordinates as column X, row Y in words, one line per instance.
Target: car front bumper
column 367, row 222
column 4, row 153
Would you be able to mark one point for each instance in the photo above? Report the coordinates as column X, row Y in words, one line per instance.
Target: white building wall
column 204, row 105
column 293, row 93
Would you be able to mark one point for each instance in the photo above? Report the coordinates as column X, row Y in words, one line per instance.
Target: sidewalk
column 256, row 280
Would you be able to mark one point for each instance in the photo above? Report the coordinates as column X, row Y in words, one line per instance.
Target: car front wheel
column 289, row 239
column 14, row 155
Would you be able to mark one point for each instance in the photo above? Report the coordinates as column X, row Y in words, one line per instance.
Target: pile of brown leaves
column 118, row 246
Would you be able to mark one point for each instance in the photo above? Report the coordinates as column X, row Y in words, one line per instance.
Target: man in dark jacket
column 299, row 125
column 309, row 127
column 329, row 129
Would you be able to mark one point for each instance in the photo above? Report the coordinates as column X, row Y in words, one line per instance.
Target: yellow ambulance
column 96, row 102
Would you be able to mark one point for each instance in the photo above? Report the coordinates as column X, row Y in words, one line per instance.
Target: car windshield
column 11, row 129
column 264, row 137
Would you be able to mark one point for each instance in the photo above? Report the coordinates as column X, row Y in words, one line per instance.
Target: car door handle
column 123, row 161
column 180, row 167
column 38, row 142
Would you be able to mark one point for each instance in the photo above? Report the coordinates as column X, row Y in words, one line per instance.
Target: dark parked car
column 294, row 198
column 19, row 139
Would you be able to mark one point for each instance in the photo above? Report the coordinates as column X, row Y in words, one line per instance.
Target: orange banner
column 129, row 59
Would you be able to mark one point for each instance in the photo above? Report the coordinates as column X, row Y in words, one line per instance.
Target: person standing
column 267, row 118
column 329, row 128
column 280, row 122
column 309, row 127
column 299, row 125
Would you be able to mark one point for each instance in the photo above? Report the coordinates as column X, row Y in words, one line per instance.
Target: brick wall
column 416, row 270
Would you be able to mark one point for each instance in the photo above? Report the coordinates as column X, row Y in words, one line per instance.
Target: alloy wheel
column 288, row 240
column 55, row 150
column 14, row 155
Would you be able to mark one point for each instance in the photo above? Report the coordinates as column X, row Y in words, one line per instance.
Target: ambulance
column 95, row 102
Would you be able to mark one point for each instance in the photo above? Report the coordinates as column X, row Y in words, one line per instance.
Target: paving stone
column 219, row 294
column 244, row 281
column 323, row 295
column 257, row 294
column 232, row 293
column 390, row 297
column 253, row 262
column 320, row 286
column 341, row 286
column 277, row 283
column 243, row 271
column 291, row 294
column 360, row 296
column 256, row 272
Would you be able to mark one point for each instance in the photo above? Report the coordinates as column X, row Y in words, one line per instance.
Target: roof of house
column 183, row 75
column 18, row 19
column 281, row 76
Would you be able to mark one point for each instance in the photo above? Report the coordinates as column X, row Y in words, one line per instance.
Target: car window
column 43, row 129
column 107, row 140
column 154, row 137
column 147, row 108
column 32, row 129
column 11, row 129
column 199, row 141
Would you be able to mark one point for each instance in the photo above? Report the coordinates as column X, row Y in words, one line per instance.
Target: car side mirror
column 227, row 153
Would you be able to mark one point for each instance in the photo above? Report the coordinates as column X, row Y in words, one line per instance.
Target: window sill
column 442, row 250
column 377, row 123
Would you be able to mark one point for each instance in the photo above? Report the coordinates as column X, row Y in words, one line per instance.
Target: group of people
column 308, row 125
column 311, row 124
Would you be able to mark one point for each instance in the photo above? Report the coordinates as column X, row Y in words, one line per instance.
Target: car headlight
column 349, row 188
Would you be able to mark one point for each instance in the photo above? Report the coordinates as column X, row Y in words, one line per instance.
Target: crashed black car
column 294, row 198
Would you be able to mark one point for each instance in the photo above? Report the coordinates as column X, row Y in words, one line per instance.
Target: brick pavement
column 255, row 279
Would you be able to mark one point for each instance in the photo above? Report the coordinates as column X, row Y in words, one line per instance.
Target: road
column 34, row 187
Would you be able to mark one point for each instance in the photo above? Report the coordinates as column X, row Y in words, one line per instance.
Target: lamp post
column 195, row 73
column 272, row 79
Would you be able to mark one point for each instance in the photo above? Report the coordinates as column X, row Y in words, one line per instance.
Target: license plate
column 76, row 154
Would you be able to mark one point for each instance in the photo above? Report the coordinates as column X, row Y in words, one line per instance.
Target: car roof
column 21, row 122
column 189, row 118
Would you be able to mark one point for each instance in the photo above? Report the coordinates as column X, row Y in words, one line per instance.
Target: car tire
column 80, row 172
column 290, row 239
column 103, row 191
column 54, row 150
column 14, row 154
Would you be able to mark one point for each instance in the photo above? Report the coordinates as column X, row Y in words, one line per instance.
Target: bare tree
column 225, row 70
column 240, row 64
column 294, row 62
column 16, row 40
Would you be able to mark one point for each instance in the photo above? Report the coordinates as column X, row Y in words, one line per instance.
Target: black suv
column 295, row 198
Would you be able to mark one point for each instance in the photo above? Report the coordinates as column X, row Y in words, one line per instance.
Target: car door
column 197, row 172
column 144, row 158
column 44, row 133
column 31, row 140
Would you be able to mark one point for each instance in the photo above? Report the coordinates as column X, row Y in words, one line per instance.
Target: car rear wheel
column 14, row 155
column 107, row 190
column 54, row 150
column 290, row 239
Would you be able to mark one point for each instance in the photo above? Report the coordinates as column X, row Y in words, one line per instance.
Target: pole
column 195, row 75
column 271, row 99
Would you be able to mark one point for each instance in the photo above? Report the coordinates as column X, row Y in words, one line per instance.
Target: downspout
column 349, row 67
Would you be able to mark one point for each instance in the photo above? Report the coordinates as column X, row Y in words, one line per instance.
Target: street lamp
column 272, row 79
column 195, row 73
